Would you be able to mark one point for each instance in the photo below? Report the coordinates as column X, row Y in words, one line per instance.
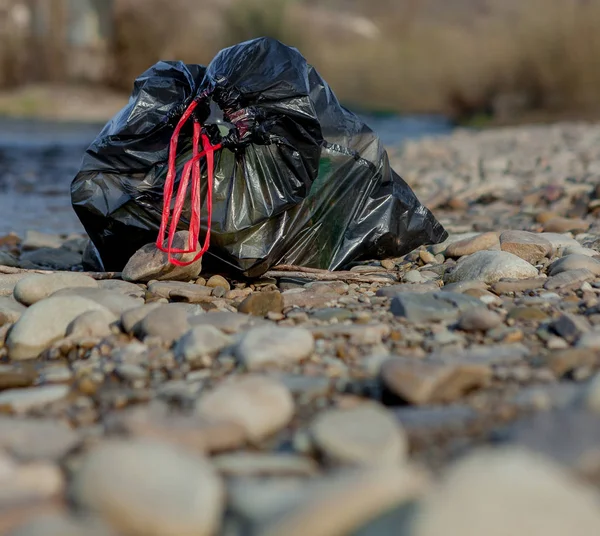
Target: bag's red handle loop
column 190, row 169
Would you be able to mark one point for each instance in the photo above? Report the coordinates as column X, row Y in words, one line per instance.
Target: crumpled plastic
column 300, row 179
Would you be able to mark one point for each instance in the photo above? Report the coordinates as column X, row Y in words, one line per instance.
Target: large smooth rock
column 261, row 405
column 36, row 439
column 144, row 488
column 150, row 263
column 10, row 310
column 490, row 267
column 32, row 398
column 337, row 505
column 114, row 301
column 364, row 435
column 36, row 287
column 425, row 382
column 274, row 345
column 574, row 262
column 531, row 247
column 201, row 342
column 45, row 322
column 509, row 492
column 473, row 244
column 168, row 322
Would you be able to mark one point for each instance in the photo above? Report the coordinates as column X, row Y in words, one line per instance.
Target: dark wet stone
column 570, row 327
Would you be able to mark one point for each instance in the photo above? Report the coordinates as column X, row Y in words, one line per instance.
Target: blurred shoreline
column 477, row 62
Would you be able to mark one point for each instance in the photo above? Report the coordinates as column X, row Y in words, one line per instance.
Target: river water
column 38, row 161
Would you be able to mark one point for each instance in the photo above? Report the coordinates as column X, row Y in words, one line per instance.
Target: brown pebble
column 479, row 319
column 262, row 303
column 564, row 225
column 469, row 246
column 218, row 281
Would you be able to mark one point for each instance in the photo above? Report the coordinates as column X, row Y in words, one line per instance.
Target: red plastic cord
column 190, row 169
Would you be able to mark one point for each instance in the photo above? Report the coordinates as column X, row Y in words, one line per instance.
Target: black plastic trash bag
column 298, row 179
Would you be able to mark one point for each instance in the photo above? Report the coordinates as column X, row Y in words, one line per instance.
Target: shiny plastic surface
column 302, row 180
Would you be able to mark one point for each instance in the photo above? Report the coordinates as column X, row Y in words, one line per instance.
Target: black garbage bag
column 295, row 178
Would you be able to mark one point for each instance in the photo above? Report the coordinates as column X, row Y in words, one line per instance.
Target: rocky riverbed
column 451, row 392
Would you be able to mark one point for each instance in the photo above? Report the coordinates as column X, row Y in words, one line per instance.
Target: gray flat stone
column 438, row 306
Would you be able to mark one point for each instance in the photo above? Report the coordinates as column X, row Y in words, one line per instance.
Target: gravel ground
column 451, row 392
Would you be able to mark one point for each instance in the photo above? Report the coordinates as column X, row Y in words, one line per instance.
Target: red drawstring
column 191, row 167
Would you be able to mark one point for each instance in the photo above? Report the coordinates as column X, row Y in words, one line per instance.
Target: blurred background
column 471, row 60
column 409, row 67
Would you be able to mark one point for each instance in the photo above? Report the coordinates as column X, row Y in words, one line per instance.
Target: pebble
column 146, row 488
column 340, row 504
column 10, row 310
column 31, row 398
column 412, row 276
column 568, row 279
column 570, row 327
column 123, row 287
column 425, row 382
column 364, row 435
column 261, row 405
column 168, row 322
column 150, row 263
column 92, row 324
column 28, row 439
column 534, row 314
column 37, row 240
column 481, row 319
column 28, row 483
column 579, row 250
column 218, row 281
column 201, row 342
column 254, row 464
column 589, row 340
column 485, row 241
column 45, row 322
column 15, row 375
column 490, row 267
column 309, row 298
column 568, row 436
column 416, row 288
column 560, row 241
column 114, row 301
column 226, row 321
column 530, row 247
column 506, row 491
column 273, row 345
column 592, row 395
column 157, row 422
column 36, row 287
column 262, row 303
column 432, row 307
column 132, row 318
column 565, row 225
column 575, row 262
column 521, row 285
